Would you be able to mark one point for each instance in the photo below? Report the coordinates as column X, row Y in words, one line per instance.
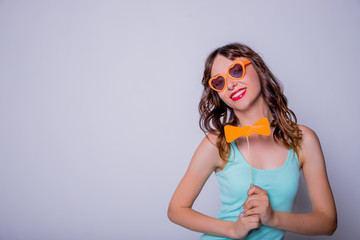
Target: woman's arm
column 323, row 219
column 205, row 160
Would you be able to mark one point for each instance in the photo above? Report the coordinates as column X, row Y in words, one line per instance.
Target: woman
column 239, row 90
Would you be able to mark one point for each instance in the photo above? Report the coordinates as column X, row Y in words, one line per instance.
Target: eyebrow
column 229, row 67
column 220, row 73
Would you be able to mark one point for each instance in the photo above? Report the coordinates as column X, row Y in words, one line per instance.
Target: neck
column 254, row 113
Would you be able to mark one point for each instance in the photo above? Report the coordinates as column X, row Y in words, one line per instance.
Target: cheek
column 228, row 102
column 221, row 95
column 254, row 80
column 257, row 85
column 224, row 99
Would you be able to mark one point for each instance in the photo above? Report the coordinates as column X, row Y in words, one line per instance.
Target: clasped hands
column 256, row 209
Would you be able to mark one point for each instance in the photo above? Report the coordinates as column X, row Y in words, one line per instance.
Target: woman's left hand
column 258, row 203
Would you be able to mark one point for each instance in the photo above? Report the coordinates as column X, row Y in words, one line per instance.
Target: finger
column 252, row 203
column 254, row 218
column 252, row 197
column 252, row 212
column 254, row 190
column 242, row 214
column 254, row 225
column 249, row 200
column 259, row 199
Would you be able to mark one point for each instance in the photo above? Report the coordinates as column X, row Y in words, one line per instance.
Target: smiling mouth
column 239, row 94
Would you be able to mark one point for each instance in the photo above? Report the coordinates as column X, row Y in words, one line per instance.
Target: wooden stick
column 247, row 139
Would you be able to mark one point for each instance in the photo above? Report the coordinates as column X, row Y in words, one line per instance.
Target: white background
column 99, row 107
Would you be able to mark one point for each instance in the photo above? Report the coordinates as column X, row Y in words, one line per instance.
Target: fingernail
column 241, row 209
column 243, row 214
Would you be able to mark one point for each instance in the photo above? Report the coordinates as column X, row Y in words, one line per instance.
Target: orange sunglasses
column 236, row 71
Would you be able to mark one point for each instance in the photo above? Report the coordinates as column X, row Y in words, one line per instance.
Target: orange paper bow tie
column 261, row 127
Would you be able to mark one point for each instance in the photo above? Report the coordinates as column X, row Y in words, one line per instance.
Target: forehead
column 221, row 64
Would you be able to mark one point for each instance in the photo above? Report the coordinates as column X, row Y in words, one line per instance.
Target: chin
column 241, row 105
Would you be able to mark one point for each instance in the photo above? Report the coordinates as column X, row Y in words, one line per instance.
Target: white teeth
column 238, row 94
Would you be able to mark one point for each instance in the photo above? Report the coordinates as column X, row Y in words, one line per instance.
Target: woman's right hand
column 244, row 224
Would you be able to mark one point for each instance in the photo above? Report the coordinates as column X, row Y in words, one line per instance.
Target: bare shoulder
column 208, row 152
column 210, row 141
column 308, row 136
column 309, row 144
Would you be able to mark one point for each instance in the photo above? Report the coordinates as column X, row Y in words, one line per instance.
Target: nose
column 231, row 83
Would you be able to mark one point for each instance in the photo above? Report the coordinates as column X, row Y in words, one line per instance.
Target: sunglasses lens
column 236, row 71
column 218, row 83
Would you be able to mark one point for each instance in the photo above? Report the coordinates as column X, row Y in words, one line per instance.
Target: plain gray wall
column 98, row 107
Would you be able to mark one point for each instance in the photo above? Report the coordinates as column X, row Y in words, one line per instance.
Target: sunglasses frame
column 242, row 63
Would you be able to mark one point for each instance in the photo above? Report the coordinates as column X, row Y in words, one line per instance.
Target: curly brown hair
column 215, row 114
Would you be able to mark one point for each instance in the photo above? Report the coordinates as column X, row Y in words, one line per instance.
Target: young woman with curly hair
column 261, row 210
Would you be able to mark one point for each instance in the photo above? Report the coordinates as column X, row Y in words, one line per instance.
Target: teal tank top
column 234, row 181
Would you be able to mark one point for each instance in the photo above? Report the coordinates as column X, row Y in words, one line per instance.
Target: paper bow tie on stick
column 261, row 127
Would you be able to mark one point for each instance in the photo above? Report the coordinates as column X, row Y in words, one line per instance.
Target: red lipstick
column 236, row 94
